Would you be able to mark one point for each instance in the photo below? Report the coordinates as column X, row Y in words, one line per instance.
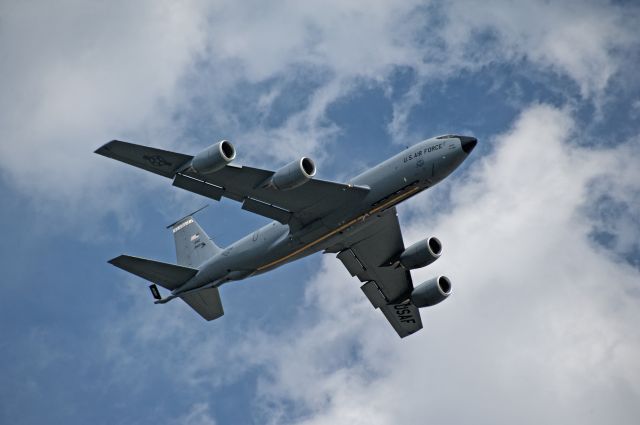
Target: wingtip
column 104, row 149
column 115, row 260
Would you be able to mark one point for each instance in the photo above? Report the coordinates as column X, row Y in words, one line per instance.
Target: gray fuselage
column 390, row 182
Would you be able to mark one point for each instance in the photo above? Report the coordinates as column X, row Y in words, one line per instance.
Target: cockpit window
column 446, row 136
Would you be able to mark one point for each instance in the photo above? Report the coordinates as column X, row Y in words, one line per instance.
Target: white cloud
column 540, row 327
column 198, row 414
column 77, row 74
column 541, row 323
column 542, row 320
column 582, row 40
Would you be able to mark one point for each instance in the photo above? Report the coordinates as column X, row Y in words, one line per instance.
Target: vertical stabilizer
column 193, row 245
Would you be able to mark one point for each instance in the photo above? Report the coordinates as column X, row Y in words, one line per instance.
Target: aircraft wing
column 314, row 199
column 304, row 204
column 365, row 254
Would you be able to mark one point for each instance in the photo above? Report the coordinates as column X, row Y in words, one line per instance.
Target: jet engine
column 421, row 253
column 431, row 292
column 293, row 174
column 214, row 158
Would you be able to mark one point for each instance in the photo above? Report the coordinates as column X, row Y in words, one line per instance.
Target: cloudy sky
column 541, row 225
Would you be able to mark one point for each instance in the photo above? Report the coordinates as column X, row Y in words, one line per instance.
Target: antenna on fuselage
column 187, row 216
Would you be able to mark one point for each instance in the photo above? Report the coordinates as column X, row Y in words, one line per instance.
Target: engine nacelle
column 293, row 174
column 431, row 292
column 421, row 253
column 214, row 158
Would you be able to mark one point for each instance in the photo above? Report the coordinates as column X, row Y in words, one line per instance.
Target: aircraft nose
column 468, row 143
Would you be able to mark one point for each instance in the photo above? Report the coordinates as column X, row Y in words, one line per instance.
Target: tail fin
column 193, row 245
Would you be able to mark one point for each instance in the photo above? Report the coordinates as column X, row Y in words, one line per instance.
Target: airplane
column 356, row 220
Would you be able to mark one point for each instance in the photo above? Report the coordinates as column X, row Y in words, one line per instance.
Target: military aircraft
column 357, row 220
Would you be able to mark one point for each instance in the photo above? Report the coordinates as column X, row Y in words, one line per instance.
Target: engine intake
column 431, row 292
column 214, row 158
column 421, row 253
column 293, row 174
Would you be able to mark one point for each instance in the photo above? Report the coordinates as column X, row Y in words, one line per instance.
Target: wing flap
column 351, row 262
column 364, row 253
column 169, row 276
column 266, row 210
column 198, row 186
column 206, row 303
column 373, row 293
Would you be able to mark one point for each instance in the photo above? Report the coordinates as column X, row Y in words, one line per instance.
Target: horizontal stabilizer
column 169, row 276
column 206, row 302
column 165, row 163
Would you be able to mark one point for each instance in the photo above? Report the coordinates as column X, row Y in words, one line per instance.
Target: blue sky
column 540, row 226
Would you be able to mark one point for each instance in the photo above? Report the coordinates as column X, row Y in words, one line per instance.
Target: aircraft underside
column 357, row 221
